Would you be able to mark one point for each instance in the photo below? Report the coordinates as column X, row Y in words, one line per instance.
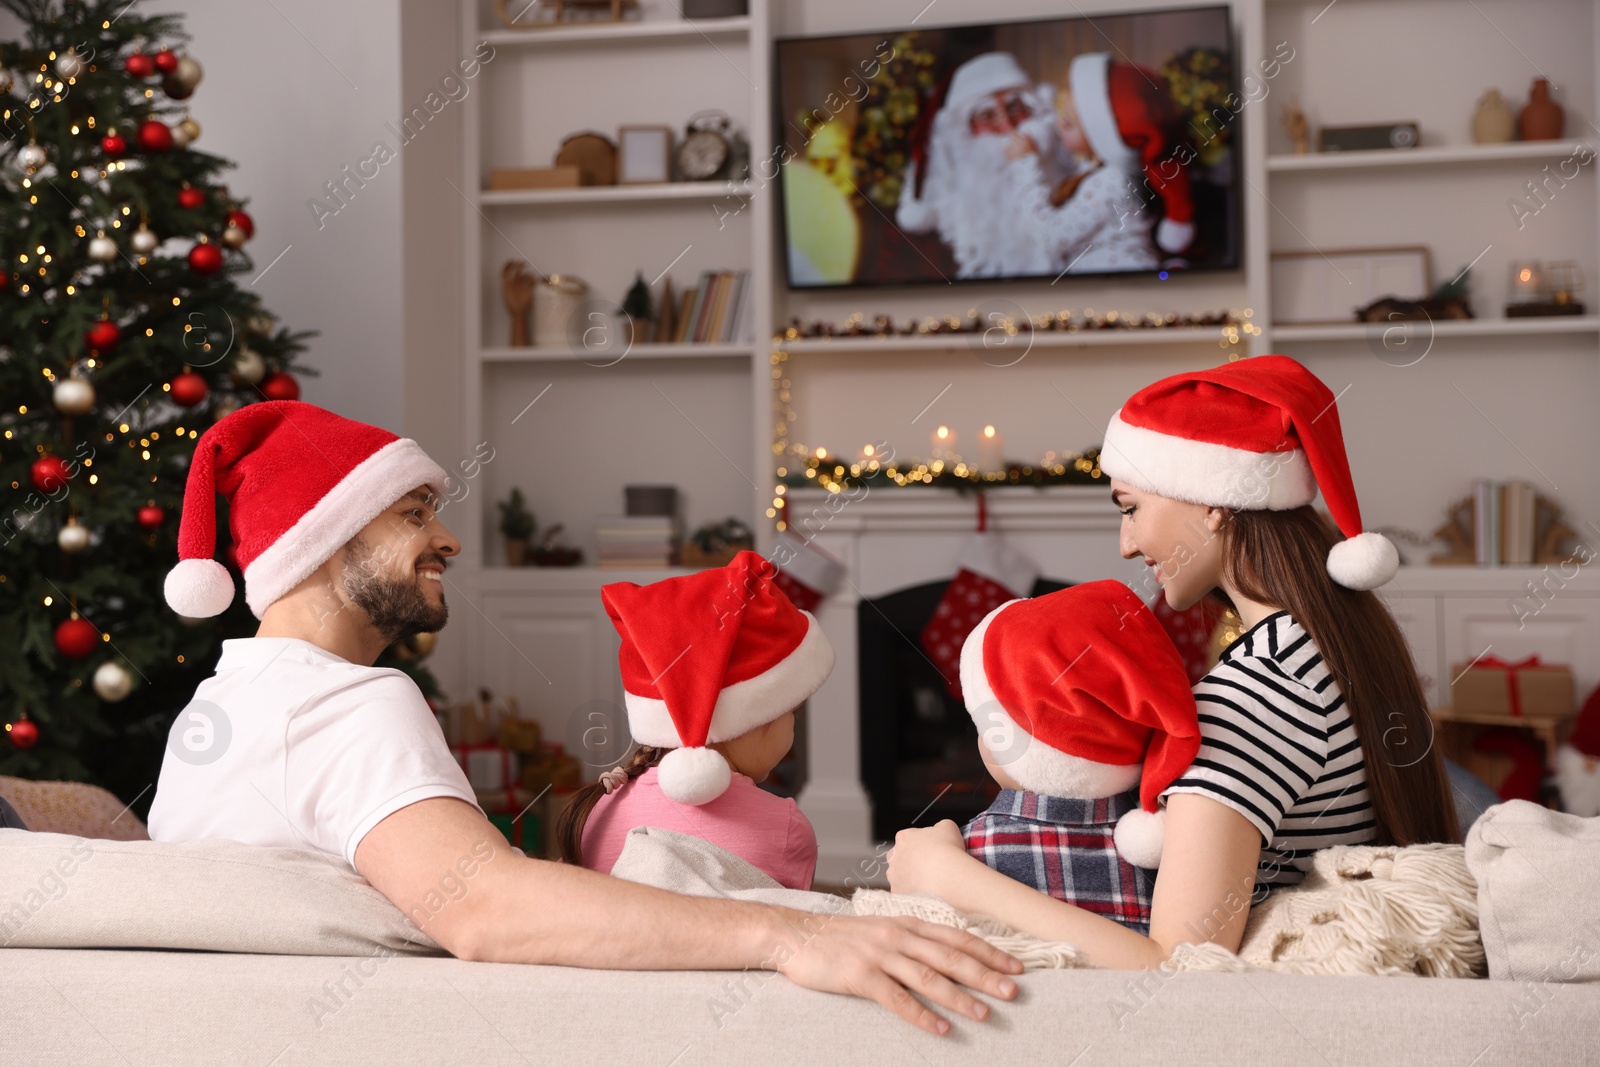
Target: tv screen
column 1016, row 150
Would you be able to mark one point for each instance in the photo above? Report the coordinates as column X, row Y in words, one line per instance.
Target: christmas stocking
column 806, row 574
column 1190, row 631
column 991, row 573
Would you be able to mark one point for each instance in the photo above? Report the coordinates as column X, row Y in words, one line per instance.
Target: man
column 957, row 183
column 298, row 741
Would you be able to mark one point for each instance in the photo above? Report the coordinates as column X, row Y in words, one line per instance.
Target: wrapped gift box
column 487, row 765
column 514, row 812
column 1523, row 689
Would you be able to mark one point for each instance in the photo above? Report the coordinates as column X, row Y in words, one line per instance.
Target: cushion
column 72, row 808
column 1538, row 898
column 60, row 891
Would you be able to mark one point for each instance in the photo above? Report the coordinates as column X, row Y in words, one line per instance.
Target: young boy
column 1084, row 716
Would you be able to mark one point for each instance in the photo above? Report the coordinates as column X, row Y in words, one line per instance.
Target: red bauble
column 76, row 638
column 280, row 385
column 114, row 145
column 244, row 222
column 191, row 197
column 48, row 474
column 187, row 389
column 205, row 259
column 23, row 733
column 102, row 336
column 166, row 61
column 5, row 279
column 152, row 516
column 154, row 136
column 139, row 65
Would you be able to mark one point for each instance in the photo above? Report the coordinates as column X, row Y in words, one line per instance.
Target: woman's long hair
column 569, row 826
column 1279, row 557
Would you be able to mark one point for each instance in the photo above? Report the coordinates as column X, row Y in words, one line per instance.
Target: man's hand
column 886, row 960
column 442, row 863
column 922, row 859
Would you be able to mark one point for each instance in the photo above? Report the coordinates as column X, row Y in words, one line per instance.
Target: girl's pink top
column 767, row 830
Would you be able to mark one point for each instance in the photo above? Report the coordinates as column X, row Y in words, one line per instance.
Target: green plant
column 516, row 521
column 637, row 304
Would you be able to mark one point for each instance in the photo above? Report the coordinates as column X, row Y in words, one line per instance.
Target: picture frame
column 1324, row 288
column 644, row 155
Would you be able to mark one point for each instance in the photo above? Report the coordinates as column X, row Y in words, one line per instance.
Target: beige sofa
column 306, row 963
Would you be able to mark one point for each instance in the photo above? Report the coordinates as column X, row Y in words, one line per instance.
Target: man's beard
column 977, row 216
column 396, row 607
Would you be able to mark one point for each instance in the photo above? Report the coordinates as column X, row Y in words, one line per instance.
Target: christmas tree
column 124, row 334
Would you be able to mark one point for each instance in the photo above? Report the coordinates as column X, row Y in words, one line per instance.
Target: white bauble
column 188, row 74
column 261, row 324
column 70, row 64
column 112, row 682
column 223, row 408
column 103, row 249
column 30, row 157
column 234, row 237
column 248, row 366
column 144, row 240
column 73, row 396
column 73, row 537
column 189, row 129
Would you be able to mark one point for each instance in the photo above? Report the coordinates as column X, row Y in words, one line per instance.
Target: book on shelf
column 1486, row 522
column 716, row 310
column 1516, row 523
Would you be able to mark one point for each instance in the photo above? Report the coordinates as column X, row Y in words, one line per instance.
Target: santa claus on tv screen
column 1100, row 145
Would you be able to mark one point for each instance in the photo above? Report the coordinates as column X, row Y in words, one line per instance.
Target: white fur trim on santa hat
column 915, row 215
column 1364, row 561
column 1204, row 472
column 1580, row 786
column 984, row 75
column 198, row 588
column 693, row 775
column 1139, row 835
column 1088, row 77
column 806, row 563
column 743, row 706
column 360, row 496
column 1174, row 237
column 1034, row 765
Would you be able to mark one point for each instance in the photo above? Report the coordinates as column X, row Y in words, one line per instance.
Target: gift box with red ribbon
column 1523, row 689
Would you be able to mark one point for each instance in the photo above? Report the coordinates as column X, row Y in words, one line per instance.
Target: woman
column 1314, row 728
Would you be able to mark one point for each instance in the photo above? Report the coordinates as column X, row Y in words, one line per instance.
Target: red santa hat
column 1578, row 761
column 1255, row 434
column 1091, row 697
column 707, row 657
column 300, row 483
column 1128, row 118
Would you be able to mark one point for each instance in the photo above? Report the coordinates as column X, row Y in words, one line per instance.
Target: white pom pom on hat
column 694, row 775
column 198, row 588
column 1257, row 434
column 1139, row 835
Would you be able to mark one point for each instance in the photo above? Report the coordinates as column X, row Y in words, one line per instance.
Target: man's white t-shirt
column 289, row 745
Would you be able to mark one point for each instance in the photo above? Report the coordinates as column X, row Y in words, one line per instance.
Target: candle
column 991, row 451
column 943, row 443
column 1527, row 282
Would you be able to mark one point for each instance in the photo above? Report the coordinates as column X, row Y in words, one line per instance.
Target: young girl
column 713, row 666
column 1314, row 728
column 1096, row 221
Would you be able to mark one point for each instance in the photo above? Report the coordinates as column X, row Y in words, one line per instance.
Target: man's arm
column 443, row 864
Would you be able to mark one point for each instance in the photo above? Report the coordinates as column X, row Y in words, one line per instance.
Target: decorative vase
column 516, row 551
column 1493, row 122
column 1542, row 119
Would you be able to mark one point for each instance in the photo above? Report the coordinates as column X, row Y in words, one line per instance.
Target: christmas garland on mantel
column 799, row 466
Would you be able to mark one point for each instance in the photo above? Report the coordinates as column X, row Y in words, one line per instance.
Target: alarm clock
column 707, row 149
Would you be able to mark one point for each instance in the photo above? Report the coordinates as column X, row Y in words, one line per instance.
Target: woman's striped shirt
column 1278, row 746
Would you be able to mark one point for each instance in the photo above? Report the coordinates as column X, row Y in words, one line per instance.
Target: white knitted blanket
column 1373, row 910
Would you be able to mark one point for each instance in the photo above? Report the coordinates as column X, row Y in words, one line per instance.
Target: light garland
column 800, row 466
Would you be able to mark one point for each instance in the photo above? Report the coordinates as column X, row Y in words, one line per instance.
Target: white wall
column 295, row 91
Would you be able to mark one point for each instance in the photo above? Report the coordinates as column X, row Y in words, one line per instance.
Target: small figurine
column 1296, row 126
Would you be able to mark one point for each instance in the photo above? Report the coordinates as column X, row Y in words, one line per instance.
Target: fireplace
column 904, row 543
column 919, row 753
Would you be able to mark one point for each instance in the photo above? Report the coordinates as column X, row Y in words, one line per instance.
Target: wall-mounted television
column 1103, row 145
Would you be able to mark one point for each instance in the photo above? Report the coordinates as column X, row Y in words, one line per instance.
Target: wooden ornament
column 594, row 154
column 666, row 314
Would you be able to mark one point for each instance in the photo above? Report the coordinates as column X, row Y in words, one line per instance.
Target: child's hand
column 921, row 858
column 1019, row 145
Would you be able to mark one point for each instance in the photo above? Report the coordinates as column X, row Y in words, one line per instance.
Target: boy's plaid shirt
column 1063, row 846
